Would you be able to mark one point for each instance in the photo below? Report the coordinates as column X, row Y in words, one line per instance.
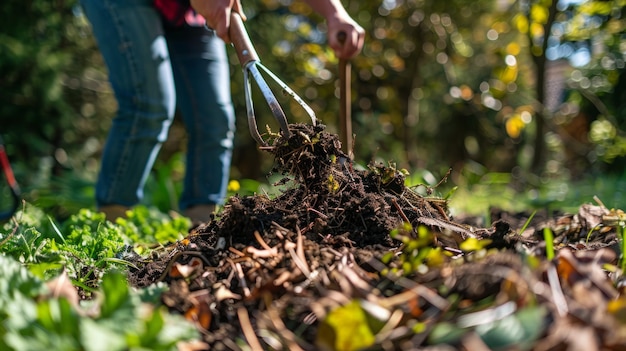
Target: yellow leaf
column 435, row 257
column 539, row 13
column 473, row 244
column 513, row 49
column 618, row 309
column 596, row 8
column 514, row 126
column 536, row 30
column 521, row 23
column 345, row 328
column 508, row 74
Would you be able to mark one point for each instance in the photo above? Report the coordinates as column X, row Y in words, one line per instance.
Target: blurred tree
column 540, row 16
column 592, row 34
column 434, row 85
column 439, row 84
column 53, row 95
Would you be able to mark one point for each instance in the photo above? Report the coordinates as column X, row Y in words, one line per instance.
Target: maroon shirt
column 178, row 12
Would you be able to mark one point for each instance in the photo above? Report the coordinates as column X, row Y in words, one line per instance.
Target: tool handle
column 345, row 113
column 15, row 190
column 241, row 40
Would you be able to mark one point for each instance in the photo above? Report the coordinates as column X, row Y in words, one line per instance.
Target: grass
column 494, row 190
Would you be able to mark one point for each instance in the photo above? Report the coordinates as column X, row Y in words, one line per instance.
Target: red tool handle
column 15, row 190
column 6, row 167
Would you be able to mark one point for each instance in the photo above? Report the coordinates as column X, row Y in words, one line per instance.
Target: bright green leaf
column 115, row 293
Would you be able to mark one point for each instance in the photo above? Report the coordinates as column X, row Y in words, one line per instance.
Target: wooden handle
column 345, row 112
column 241, row 40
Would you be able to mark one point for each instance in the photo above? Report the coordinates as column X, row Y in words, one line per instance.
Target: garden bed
column 353, row 259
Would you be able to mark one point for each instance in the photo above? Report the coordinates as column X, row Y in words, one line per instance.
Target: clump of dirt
column 330, row 199
column 268, row 271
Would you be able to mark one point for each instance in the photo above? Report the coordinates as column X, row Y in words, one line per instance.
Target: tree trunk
column 539, row 59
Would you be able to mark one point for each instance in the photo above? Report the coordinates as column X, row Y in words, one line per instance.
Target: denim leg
column 130, row 37
column 202, row 75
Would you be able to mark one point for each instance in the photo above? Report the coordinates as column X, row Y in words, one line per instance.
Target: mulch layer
column 348, row 259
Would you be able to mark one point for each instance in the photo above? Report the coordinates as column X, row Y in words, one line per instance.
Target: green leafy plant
column 150, row 226
column 32, row 319
column 418, row 251
column 24, row 238
column 85, row 245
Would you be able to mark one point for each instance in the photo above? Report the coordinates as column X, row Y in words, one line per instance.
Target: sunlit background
column 523, row 100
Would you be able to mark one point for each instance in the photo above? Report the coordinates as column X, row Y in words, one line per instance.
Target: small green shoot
column 622, row 230
column 532, row 215
column 591, row 232
column 449, row 194
column 56, row 229
column 549, row 239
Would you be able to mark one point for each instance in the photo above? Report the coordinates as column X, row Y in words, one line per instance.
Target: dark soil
column 268, row 272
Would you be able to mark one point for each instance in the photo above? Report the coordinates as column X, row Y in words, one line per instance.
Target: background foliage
column 529, row 88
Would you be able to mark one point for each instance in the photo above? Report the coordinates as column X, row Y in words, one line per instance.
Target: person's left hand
column 354, row 36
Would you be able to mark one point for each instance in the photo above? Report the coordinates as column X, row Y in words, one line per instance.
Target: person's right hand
column 217, row 14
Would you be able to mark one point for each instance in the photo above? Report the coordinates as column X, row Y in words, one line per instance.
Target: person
column 160, row 56
column 217, row 15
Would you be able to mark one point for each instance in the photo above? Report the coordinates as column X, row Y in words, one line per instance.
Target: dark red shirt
column 178, row 12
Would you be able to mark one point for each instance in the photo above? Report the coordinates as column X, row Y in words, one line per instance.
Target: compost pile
column 347, row 258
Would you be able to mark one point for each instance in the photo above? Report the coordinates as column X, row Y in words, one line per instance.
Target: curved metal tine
column 277, row 111
column 247, row 90
column 290, row 92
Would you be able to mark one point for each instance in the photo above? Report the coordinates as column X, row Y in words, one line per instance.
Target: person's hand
column 217, row 14
column 339, row 21
column 350, row 45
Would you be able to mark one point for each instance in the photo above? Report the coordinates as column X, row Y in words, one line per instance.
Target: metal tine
column 254, row 131
column 250, row 62
column 290, row 92
column 270, row 98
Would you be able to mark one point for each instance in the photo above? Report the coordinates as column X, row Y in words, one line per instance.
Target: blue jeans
column 154, row 69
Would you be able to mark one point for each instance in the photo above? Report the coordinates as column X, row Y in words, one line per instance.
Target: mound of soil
column 272, row 272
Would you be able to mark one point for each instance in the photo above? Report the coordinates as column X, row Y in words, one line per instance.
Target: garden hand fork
column 250, row 62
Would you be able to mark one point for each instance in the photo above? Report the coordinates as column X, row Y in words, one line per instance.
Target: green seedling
column 549, row 239
column 527, row 223
column 591, row 232
column 621, row 230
